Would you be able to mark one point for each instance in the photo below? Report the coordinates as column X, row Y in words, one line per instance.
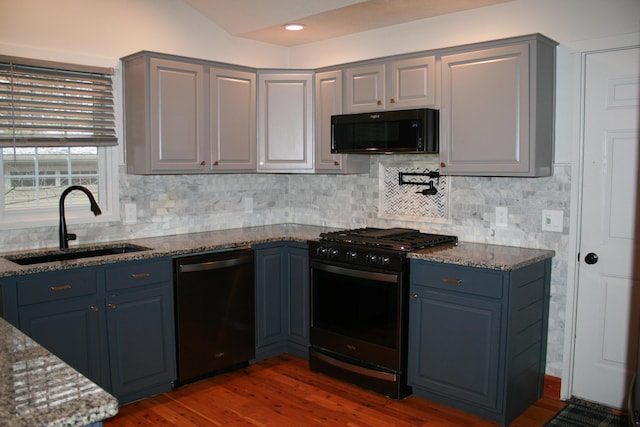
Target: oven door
column 358, row 313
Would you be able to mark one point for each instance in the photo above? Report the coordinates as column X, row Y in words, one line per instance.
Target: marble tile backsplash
column 177, row 204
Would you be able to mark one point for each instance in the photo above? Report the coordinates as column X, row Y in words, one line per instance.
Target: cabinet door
column 69, row 329
column 297, row 303
column 454, row 346
column 365, row 88
column 141, row 340
column 232, row 122
column 282, row 300
column 270, row 280
column 329, row 102
column 412, row 83
column 485, row 112
column 177, row 112
column 285, row 122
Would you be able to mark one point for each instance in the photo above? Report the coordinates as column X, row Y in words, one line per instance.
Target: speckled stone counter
column 168, row 246
column 480, row 255
column 38, row 389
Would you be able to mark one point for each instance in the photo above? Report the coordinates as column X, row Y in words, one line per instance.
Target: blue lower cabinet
column 112, row 323
column 70, row 329
column 282, row 299
column 477, row 337
column 141, row 342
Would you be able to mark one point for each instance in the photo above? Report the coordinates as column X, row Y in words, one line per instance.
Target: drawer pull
column 111, row 306
column 452, row 280
column 140, row 275
column 60, row 288
column 94, row 308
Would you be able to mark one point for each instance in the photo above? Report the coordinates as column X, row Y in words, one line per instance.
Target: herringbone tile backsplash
column 407, row 200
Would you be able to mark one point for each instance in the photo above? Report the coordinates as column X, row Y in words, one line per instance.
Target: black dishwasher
column 215, row 313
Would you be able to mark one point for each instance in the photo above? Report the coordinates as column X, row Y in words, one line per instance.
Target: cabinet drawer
column 55, row 286
column 457, row 279
column 138, row 274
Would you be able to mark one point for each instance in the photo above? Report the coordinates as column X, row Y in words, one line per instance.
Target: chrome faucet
column 64, row 236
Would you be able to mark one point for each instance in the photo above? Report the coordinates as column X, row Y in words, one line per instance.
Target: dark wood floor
column 282, row 391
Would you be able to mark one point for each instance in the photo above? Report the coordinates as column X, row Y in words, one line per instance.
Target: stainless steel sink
column 71, row 254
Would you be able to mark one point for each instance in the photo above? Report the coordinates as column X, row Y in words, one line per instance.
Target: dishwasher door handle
column 214, row 265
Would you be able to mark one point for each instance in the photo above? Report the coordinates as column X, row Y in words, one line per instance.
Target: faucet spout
column 62, row 232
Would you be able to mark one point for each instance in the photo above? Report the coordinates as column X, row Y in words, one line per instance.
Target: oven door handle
column 361, row 274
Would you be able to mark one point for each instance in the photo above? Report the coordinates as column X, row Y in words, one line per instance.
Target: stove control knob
column 352, row 255
column 322, row 251
column 373, row 258
column 334, row 253
column 384, row 260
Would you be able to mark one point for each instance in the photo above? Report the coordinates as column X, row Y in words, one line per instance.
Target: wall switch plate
column 248, row 204
column 502, row 216
column 130, row 214
column 552, row 220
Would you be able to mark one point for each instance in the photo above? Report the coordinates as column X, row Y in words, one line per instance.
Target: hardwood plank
column 283, row 391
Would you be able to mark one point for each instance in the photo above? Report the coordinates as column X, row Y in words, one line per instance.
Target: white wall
column 565, row 21
column 99, row 32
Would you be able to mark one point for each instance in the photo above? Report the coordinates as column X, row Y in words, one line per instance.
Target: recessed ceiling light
column 294, row 27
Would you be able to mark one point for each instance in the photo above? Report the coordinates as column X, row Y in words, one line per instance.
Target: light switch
column 552, row 220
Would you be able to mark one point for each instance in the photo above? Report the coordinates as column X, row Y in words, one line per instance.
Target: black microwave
column 398, row 131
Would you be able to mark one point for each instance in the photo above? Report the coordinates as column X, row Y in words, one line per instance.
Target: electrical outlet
column 552, row 220
column 248, row 204
column 502, row 216
column 130, row 214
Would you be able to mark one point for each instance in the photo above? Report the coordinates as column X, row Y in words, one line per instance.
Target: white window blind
column 55, row 105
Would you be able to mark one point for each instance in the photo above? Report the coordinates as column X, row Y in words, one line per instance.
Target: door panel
column 608, row 295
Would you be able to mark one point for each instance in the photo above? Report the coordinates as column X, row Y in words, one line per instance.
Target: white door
column 608, row 292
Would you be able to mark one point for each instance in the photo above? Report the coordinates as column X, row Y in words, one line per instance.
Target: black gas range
column 360, row 305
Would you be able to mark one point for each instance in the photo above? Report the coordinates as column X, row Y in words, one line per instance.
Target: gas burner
column 402, row 239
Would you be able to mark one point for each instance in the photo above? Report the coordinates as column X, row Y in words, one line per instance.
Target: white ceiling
column 263, row 20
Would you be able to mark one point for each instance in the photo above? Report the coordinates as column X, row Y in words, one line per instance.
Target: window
column 57, row 128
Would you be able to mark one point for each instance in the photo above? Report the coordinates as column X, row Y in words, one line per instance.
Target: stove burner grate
column 403, row 239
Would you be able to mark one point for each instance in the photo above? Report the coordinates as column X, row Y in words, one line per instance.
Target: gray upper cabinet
column 174, row 120
column 364, row 88
column 497, row 115
column 328, row 100
column 164, row 115
column 398, row 84
column 412, row 83
column 232, row 126
column 496, row 101
column 285, row 121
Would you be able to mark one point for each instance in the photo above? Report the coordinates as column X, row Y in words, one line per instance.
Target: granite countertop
column 39, row 389
column 481, row 255
column 173, row 245
column 505, row 258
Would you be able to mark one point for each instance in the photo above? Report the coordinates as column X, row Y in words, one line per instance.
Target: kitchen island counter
column 481, row 255
column 38, row 389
